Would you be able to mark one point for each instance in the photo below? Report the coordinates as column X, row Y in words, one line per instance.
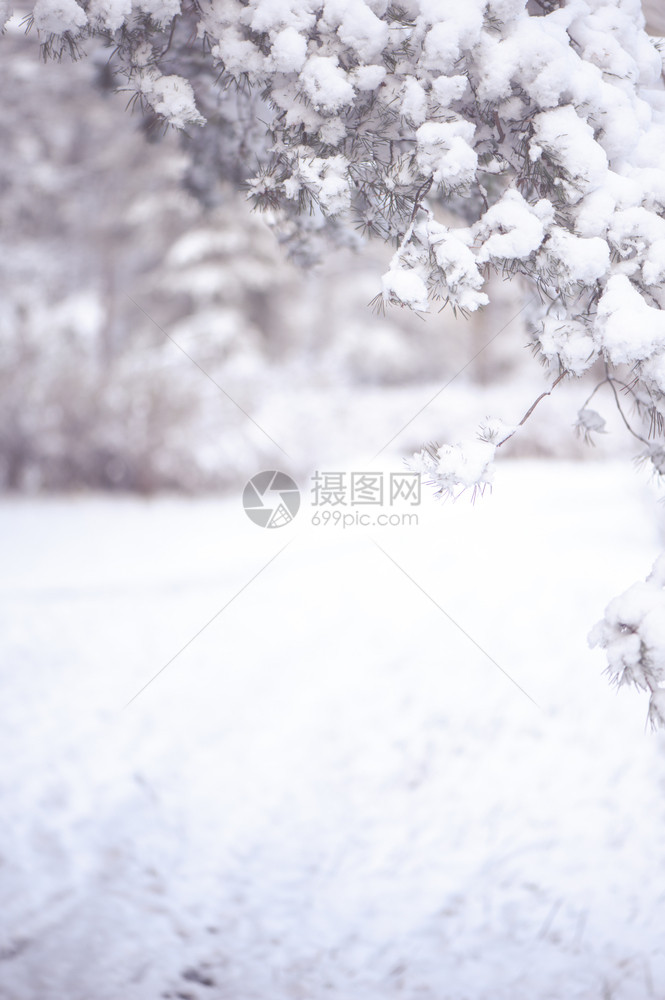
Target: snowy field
column 331, row 792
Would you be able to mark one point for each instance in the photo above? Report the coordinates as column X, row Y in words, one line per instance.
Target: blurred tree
column 94, row 221
column 501, row 136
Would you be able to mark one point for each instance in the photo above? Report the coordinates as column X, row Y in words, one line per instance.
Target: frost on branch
column 589, row 423
column 633, row 635
column 539, row 130
column 453, row 469
column 55, row 17
column 172, row 98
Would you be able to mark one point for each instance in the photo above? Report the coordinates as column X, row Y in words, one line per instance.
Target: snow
column 547, row 65
column 57, row 16
column 326, row 178
column 570, row 341
column 459, row 27
column 162, row 12
column 288, row 51
column 515, row 228
column 492, row 103
column 634, row 229
column 455, row 258
column 447, row 89
column 238, row 55
column 368, row 77
column 406, row 287
column 444, row 152
column 326, row 84
column 653, row 268
column 496, row 63
column 414, row 101
column 358, row 27
column 173, row 97
column 273, row 15
column 469, row 464
column 629, row 329
column 595, row 213
column 568, row 140
column 441, row 49
column 581, row 259
column 633, row 634
column 591, row 421
column 6, row 11
column 506, row 10
column 331, row 792
column 112, row 14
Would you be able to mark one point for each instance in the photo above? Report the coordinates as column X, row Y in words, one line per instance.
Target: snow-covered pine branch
column 490, row 135
column 633, row 634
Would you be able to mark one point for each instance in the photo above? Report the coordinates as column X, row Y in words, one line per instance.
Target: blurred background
column 104, row 242
column 235, row 770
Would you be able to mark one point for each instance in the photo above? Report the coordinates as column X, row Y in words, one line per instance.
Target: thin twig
column 532, row 408
column 168, row 45
column 589, row 398
column 497, row 122
column 623, row 415
column 420, row 194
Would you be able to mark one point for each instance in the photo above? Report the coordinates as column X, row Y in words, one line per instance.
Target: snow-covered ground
column 331, row 792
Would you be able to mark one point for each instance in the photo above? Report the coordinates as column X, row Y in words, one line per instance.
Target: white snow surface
column 331, row 792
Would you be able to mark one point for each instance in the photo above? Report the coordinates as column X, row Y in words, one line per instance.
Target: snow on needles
column 633, row 635
column 58, row 16
column 453, row 469
column 173, row 98
column 545, row 134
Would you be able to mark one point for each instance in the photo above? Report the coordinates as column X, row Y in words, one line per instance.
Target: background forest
column 105, row 241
